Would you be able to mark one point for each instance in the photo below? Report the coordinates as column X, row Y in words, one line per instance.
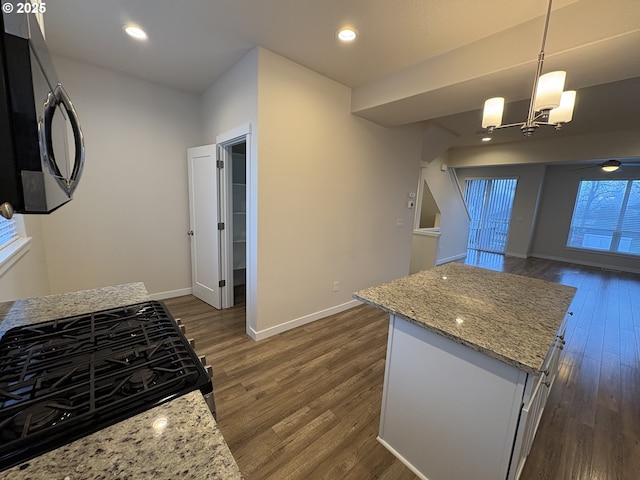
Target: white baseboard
column 298, row 322
column 589, row 264
column 420, row 475
column 451, row 259
column 171, row 293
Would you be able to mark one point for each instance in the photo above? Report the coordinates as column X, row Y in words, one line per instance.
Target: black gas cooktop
column 63, row 379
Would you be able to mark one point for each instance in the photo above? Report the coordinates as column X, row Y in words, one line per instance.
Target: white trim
column 300, row 321
column 427, row 232
column 387, row 369
column 451, row 259
column 517, row 255
column 588, row 264
column 236, row 133
column 171, row 294
column 454, row 177
column 402, row 459
column 12, row 252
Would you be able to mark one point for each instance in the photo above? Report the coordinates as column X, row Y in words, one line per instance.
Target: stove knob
column 203, row 359
column 183, row 329
column 192, row 342
column 209, row 370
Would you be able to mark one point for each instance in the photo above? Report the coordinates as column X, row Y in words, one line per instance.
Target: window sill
column 10, row 254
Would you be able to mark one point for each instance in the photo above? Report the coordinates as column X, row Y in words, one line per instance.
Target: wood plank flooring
column 305, row 404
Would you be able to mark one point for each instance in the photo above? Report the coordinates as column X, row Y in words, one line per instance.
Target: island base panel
column 448, row 412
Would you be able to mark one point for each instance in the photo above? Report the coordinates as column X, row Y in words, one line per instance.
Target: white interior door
column 204, row 218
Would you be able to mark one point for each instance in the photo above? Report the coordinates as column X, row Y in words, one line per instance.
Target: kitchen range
column 67, row 377
column 83, row 386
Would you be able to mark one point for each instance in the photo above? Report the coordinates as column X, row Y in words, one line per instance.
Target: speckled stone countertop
column 509, row 317
column 178, row 439
column 49, row 307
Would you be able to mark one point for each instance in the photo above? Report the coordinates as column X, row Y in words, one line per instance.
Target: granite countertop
column 178, row 439
column 50, row 307
column 509, row 317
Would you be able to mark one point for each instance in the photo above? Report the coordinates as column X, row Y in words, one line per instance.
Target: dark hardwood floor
column 305, row 404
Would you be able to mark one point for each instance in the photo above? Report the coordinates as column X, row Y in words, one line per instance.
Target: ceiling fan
column 610, row 165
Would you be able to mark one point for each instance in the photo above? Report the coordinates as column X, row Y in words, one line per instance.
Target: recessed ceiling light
column 135, row 31
column 486, row 139
column 347, row 34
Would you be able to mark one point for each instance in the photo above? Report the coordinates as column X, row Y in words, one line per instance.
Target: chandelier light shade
column 493, row 109
column 564, row 112
column 549, row 91
column 549, row 104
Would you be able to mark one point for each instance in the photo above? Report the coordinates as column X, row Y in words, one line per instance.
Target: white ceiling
column 414, row 60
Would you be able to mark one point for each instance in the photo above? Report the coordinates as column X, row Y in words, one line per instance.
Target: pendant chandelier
column 549, row 105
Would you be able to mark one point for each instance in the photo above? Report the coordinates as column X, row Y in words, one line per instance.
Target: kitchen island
column 178, row 439
column 471, row 357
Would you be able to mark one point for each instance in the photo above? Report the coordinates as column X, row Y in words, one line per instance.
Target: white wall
column 229, row 104
column 603, row 145
column 129, row 216
column 233, row 100
column 330, row 189
column 454, row 219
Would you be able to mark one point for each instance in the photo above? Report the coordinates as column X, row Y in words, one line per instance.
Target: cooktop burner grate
column 65, row 378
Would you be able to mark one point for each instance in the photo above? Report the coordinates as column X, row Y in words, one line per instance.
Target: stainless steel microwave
column 38, row 122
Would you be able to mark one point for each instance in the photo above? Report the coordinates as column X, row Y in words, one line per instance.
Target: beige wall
column 129, row 216
column 330, row 189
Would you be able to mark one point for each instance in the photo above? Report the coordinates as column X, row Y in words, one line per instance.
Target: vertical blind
column 606, row 216
column 489, row 202
column 8, row 232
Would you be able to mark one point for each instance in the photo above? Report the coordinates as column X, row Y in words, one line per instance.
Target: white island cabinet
column 470, row 361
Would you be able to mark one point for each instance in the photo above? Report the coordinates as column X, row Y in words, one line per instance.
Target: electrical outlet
column 336, row 286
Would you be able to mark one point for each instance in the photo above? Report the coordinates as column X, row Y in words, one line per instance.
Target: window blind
column 8, row 232
column 606, row 216
column 489, row 202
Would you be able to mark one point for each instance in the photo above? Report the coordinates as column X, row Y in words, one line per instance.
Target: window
column 13, row 242
column 606, row 217
column 489, row 202
column 8, row 232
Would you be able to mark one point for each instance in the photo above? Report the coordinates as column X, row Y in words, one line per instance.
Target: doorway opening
column 238, row 165
column 489, row 201
column 233, row 217
column 223, row 222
